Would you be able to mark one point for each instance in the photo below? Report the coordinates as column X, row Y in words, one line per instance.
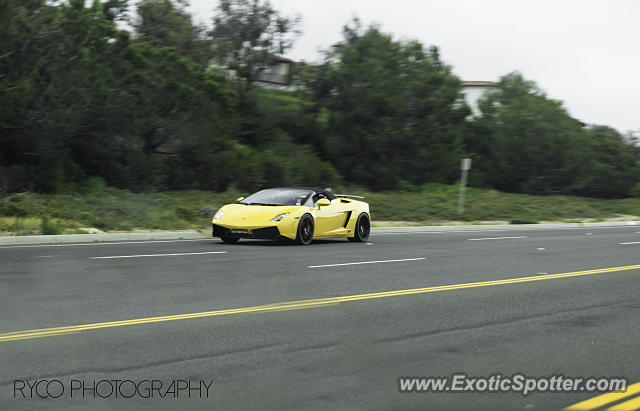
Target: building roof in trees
column 478, row 84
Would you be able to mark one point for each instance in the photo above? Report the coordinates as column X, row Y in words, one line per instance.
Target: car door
column 330, row 218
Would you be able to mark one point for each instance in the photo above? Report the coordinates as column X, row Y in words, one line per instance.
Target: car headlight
column 218, row 215
column 279, row 217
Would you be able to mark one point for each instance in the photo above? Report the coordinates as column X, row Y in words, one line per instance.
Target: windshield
column 278, row 197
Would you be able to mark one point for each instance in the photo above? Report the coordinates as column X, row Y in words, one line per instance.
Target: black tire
column 304, row 235
column 230, row 240
column 362, row 230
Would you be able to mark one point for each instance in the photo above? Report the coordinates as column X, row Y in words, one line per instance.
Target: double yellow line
column 49, row 332
column 610, row 398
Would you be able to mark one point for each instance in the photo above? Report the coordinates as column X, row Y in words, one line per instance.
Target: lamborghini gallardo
column 295, row 213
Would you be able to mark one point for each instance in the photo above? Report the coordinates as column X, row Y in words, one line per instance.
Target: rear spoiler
column 349, row 196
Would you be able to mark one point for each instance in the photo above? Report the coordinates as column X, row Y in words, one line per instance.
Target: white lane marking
column 540, row 249
column 367, row 262
column 633, row 242
column 494, row 238
column 104, row 243
column 436, row 232
column 369, row 243
column 156, row 255
column 496, row 230
column 414, row 232
column 589, row 234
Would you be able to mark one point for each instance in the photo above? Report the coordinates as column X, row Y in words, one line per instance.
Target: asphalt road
column 424, row 304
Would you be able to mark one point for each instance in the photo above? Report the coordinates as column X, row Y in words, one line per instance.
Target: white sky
column 583, row 52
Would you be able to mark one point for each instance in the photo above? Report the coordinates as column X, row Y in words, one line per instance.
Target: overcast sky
column 585, row 53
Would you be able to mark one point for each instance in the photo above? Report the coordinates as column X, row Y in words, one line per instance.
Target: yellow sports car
column 296, row 213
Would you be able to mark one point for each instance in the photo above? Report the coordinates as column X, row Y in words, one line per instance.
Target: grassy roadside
column 111, row 209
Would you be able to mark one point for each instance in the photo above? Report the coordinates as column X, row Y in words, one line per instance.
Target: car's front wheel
column 363, row 229
column 305, row 230
column 230, row 240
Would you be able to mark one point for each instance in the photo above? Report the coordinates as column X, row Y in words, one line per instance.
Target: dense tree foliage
column 525, row 142
column 166, row 23
column 247, row 34
column 82, row 100
column 392, row 111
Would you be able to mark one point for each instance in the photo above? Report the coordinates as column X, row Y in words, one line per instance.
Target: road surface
column 332, row 325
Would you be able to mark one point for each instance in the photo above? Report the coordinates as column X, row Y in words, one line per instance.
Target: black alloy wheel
column 305, row 230
column 363, row 229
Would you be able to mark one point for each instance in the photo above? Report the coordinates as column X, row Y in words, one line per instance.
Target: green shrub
column 16, row 206
column 49, row 227
column 185, row 213
column 92, row 186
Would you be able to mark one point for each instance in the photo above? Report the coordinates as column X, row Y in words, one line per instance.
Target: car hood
column 253, row 214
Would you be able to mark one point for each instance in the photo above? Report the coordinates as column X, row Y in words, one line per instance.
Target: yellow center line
column 632, row 404
column 48, row 332
column 609, row 398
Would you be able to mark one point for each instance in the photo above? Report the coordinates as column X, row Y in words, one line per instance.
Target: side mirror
column 239, row 199
column 323, row 202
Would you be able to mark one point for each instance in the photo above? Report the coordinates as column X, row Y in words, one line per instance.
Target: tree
column 532, row 141
column 613, row 166
column 79, row 99
column 247, row 34
column 115, row 9
column 166, row 23
column 528, row 143
column 392, row 109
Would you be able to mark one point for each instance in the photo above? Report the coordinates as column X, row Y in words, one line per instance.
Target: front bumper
column 263, row 233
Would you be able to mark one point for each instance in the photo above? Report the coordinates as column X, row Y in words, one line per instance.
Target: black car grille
column 219, row 231
column 268, row 233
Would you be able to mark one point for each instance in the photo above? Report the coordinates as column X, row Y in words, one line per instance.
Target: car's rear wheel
column 362, row 230
column 305, row 230
column 230, row 240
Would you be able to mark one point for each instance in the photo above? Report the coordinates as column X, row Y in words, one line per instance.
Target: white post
column 465, row 166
